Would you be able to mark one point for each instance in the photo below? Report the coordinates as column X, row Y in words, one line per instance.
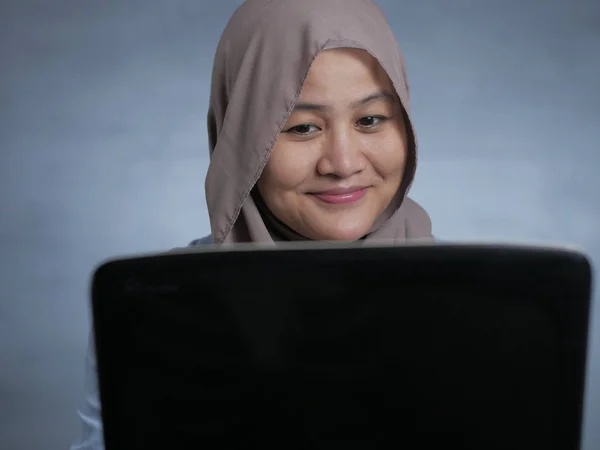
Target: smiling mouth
column 341, row 196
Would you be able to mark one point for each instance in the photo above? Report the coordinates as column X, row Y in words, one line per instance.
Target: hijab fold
column 261, row 63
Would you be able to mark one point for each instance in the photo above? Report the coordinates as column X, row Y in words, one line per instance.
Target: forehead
column 346, row 70
column 345, row 78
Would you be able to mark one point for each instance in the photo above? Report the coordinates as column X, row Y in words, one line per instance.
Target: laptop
column 343, row 347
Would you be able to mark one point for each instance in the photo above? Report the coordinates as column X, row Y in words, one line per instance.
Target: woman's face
column 339, row 159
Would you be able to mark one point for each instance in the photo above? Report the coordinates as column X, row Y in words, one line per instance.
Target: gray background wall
column 103, row 152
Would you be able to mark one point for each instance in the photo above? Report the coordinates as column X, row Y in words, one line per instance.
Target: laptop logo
column 134, row 286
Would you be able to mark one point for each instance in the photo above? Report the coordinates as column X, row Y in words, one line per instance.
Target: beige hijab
column 262, row 60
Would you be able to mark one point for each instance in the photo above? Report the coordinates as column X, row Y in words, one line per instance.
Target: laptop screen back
column 416, row 347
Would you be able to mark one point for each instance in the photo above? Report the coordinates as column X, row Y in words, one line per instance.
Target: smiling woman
column 310, row 137
column 309, row 127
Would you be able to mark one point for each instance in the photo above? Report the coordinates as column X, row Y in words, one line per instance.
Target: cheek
column 289, row 166
column 388, row 156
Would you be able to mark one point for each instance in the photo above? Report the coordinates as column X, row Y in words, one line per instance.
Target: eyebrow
column 381, row 95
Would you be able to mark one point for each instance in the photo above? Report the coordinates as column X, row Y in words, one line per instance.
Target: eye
column 371, row 121
column 304, row 129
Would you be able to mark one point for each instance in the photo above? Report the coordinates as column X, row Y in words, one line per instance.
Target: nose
column 341, row 155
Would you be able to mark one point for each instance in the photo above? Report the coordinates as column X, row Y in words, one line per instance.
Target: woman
column 310, row 136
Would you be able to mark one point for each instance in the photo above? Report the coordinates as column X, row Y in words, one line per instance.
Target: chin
column 343, row 228
column 343, row 235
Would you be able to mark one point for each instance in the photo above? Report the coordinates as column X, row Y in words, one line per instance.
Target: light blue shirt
column 91, row 435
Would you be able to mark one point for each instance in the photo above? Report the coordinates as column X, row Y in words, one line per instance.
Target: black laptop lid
column 470, row 347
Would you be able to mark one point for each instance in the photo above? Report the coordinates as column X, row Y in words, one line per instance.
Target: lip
column 341, row 196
